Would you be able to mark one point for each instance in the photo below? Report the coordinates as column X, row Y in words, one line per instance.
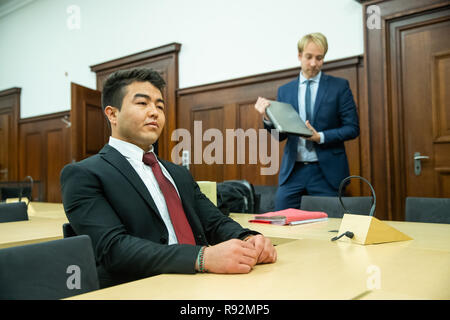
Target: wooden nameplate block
column 369, row 230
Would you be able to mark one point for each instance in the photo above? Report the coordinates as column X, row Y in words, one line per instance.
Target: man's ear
column 111, row 113
column 300, row 56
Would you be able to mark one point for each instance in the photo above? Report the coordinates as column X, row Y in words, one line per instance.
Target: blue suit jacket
column 335, row 115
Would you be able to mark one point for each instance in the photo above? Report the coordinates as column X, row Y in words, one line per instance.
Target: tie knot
column 149, row 158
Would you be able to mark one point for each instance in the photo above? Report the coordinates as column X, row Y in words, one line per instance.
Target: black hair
column 114, row 87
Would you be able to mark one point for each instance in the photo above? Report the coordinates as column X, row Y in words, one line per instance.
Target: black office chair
column 68, row 231
column 332, row 206
column 15, row 192
column 48, row 270
column 15, row 211
column 266, row 197
column 433, row 210
column 236, row 196
column 17, row 189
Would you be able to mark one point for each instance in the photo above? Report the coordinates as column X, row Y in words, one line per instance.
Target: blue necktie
column 308, row 143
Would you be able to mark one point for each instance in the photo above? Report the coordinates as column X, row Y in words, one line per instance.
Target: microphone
column 350, row 234
column 374, row 198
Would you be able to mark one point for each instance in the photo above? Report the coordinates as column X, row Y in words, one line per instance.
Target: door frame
column 386, row 162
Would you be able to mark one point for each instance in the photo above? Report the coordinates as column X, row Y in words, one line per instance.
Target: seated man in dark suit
column 145, row 215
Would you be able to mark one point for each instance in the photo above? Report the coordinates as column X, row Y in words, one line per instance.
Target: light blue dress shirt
column 302, row 153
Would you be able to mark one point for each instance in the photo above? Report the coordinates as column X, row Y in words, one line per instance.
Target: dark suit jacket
column 335, row 115
column 105, row 198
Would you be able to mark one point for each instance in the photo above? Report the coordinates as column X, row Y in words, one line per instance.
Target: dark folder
column 286, row 120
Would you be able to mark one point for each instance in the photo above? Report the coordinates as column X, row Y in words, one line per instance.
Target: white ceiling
column 9, row 6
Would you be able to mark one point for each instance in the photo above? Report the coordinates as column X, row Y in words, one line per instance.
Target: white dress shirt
column 134, row 156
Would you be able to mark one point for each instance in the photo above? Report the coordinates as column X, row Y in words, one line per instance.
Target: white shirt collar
column 316, row 78
column 128, row 150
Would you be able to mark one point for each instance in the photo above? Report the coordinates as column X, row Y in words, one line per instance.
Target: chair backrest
column 332, row 206
column 15, row 211
column 266, row 196
column 68, row 230
column 433, row 210
column 236, row 196
column 48, row 270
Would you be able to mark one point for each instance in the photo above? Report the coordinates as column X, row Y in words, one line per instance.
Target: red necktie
column 180, row 223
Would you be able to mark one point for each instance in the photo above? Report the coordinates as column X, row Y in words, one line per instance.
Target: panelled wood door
column 89, row 127
column 420, row 99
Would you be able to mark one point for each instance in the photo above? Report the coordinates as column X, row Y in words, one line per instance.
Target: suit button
column 163, row 240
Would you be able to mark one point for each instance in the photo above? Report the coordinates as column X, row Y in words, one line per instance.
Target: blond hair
column 318, row 38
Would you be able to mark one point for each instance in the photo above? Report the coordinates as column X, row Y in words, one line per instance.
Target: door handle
column 418, row 163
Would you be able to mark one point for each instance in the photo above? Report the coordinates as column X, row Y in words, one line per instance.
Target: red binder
column 290, row 217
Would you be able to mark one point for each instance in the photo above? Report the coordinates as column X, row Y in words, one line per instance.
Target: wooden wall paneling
column 242, row 94
column 31, row 153
column 399, row 83
column 163, row 59
column 258, row 147
column 203, row 119
column 56, row 159
column 44, row 150
column 9, row 134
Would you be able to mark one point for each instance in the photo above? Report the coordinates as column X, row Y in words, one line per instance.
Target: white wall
column 221, row 40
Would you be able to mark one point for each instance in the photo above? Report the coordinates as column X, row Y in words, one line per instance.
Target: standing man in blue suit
column 315, row 165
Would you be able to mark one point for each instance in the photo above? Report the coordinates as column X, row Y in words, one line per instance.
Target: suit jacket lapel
column 323, row 86
column 117, row 160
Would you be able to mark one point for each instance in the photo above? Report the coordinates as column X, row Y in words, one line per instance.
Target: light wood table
column 293, row 276
column 307, row 269
column 310, row 266
column 46, row 209
column 44, row 224
column 435, row 236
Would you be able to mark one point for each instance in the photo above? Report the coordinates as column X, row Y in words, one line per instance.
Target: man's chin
column 314, row 73
column 148, row 139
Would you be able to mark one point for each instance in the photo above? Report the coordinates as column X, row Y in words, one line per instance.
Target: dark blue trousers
column 305, row 179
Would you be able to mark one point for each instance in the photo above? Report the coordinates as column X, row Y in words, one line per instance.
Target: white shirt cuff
column 322, row 137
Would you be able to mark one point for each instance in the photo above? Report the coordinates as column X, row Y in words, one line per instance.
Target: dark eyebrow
column 141, row 95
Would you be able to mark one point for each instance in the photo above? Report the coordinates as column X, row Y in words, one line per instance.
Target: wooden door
column 90, row 130
column 420, row 99
column 4, row 142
